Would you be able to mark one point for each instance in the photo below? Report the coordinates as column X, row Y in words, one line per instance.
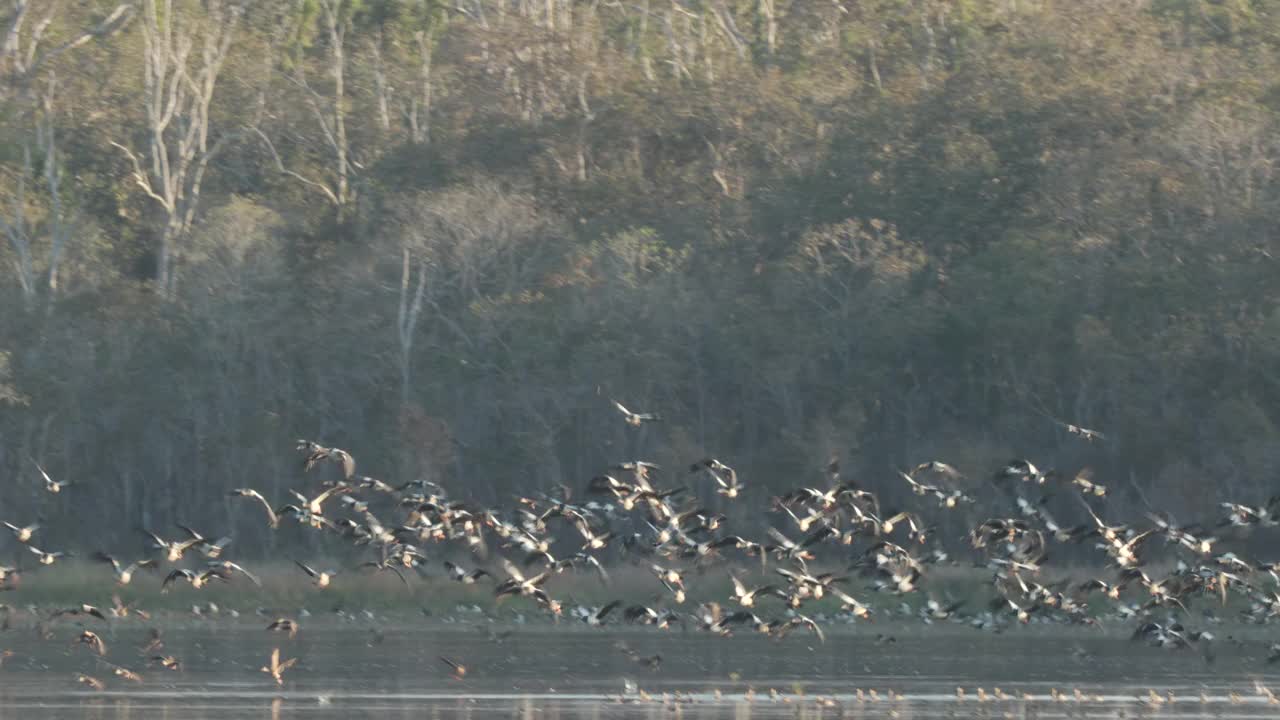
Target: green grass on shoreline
column 286, row 590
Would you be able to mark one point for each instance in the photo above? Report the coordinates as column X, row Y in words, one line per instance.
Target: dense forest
column 444, row 235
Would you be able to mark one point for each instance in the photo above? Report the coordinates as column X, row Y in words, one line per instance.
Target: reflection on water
column 549, row 673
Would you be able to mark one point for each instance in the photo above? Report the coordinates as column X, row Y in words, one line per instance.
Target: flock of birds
column 630, row 516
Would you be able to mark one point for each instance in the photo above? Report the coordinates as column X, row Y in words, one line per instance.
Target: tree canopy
column 445, row 235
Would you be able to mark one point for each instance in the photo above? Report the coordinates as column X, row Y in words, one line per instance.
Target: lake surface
column 382, row 668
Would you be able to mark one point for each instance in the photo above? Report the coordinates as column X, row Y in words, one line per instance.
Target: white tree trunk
column 24, row 65
column 177, row 92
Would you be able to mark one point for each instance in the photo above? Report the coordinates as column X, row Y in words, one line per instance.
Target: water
column 391, row 669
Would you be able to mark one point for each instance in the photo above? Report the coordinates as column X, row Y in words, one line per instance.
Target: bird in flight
column 275, row 668
column 635, row 419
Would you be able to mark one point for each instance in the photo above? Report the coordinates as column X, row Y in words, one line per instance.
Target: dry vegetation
column 443, row 235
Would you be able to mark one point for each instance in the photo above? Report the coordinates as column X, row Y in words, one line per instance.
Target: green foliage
column 912, row 229
column 9, row 394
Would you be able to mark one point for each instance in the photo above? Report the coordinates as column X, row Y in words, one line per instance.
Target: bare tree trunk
column 16, row 229
column 59, row 224
column 874, row 65
column 679, row 62
column 704, row 38
column 380, row 83
column 930, row 48
column 587, row 117
column 18, row 66
column 176, row 98
column 407, row 319
column 338, row 65
column 21, row 62
column 646, row 65
column 769, row 23
column 425, row 40
column 730, row 28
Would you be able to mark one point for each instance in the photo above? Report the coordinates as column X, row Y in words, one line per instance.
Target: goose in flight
column 91, row 681
column 23, row 534
column 385, row 565
column 173, row 550
column 806, row 584
column 851, row 604
column 46, row 558
column 226, row 568
column 83, row 609
column 197, row 579
column 747, row 598
column 322, row 579
column 124, row 673
column 120, row 610
column 168, row 662
column 937, row 467
column 917, row 487
column 284, row 625
column 272, row 519
column 916, row 529
column 780, row 628
column 461, row 575
column 726, row 477
column 592, row 540
column 635, row 419
column 457, row 669
column 1084, row 481
column 124, row 573
column 516, row 583
column 788, row 548
column 91, row 639
column 597, row 618
column 316, row 453
column 51, row 485
column 315, row 506
column 275, row 668
column 1023, row 470
column 645, row 615
column 1083, row 432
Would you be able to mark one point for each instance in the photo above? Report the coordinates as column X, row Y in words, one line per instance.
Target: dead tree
column 177, row 91
column 30, row 85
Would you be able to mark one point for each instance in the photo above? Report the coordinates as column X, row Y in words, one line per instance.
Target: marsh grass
column 431, row 596
column 285, row 586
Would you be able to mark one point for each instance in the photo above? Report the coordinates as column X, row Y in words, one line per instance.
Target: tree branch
column 280, row 166
column 140, row 177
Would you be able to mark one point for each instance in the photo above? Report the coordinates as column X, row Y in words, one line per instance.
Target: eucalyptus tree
column 38, row 219
column 185, row 45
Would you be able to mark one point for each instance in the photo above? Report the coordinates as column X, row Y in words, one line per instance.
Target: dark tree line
column 444, row 235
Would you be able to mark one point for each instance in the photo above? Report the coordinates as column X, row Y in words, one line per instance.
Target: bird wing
column 171, row 577
column 156, row 539
column 327, row 494
column 103, row 557
column 512, row 571
column 252, row 578
column 271, row 514
column 44, row 474
column 607, row 609
column 399, row 574
column 348, row 464
column 783, row 540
